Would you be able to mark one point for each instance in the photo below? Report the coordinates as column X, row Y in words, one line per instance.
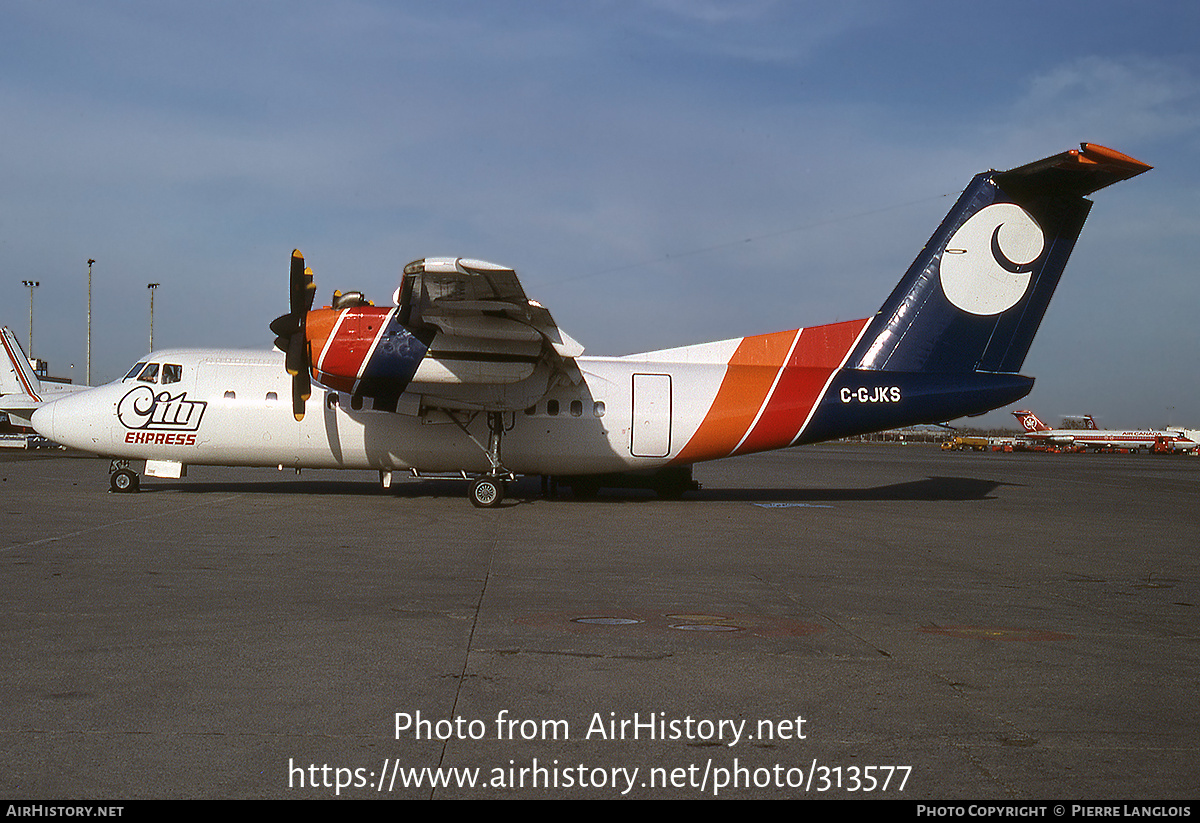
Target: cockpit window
column 135, row 370
column 171, row 373
column 149, row 374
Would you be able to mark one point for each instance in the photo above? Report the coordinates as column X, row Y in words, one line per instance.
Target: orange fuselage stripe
column 766, row 388
column 751, row 373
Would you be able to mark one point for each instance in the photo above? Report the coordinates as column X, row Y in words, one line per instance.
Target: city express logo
column 160, row 418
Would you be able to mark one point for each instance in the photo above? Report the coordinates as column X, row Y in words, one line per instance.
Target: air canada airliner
column 1097, row 439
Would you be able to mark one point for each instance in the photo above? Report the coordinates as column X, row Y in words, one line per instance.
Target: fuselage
column 1109, row 439
column 224, row 407
column 675, row 406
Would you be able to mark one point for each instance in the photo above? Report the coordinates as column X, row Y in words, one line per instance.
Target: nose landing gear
column 123, row 480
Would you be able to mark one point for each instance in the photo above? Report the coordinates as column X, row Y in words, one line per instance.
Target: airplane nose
column 75, row 420
column 43, row 421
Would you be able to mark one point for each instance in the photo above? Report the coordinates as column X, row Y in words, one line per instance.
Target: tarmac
column 838, row 621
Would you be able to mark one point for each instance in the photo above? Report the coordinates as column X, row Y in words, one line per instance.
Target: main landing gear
column 487, row 491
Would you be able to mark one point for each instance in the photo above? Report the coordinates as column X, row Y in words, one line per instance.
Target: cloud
column 1125, row 100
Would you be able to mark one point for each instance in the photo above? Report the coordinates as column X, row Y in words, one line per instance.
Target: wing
column 477, row 299
column 463, row 335
column 491, row 347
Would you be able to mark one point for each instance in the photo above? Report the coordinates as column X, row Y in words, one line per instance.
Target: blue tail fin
column 975, row 295
column 951, row 338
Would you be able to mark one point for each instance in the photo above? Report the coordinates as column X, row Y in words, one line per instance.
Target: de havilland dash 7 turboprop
column 1097, row 439
column 467, row 375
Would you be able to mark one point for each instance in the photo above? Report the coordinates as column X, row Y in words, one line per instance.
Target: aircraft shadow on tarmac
column 528, row 490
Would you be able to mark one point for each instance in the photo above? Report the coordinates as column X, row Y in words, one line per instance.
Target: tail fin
column 976, row 294
column 16, row 375
column 951, row 338
column 1030, row 422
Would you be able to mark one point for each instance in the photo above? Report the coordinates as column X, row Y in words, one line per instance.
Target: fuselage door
column 651, row 415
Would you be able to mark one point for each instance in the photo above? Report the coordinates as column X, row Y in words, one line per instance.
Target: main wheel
column 487, row 492
column 124, row 481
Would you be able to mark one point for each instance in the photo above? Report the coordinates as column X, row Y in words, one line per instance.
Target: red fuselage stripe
column 820, row 352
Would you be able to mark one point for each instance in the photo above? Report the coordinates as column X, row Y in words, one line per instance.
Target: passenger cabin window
column 551, row 407
column 576, row 408
column 171, row 373
column 272, row 397
column 149, row 374
column 135, row 370
column 229, row 395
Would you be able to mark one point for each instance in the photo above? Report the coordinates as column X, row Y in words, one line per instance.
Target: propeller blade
column 291, row 332
column 294, row 362
column 303, row 289
column 310, row 291
column 296, row 281
column 301, row 391
column 284, row 326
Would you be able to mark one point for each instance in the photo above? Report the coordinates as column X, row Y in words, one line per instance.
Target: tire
column 487, row 492
column 124, row 481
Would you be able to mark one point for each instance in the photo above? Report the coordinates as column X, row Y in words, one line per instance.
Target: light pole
column 152, row 287
column 89, row 334
column 31, row 285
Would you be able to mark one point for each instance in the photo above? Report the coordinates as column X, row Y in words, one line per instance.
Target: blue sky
column 659, row 172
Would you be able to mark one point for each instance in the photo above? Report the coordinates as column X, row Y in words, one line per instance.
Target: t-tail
column 948, row 342
column 951, row 338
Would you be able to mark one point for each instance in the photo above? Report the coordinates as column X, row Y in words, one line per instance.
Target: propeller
column 290, row 332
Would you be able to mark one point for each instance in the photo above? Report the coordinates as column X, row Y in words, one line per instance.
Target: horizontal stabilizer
column 1072, row 173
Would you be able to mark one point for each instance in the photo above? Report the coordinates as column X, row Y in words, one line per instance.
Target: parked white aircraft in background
column 21, row 392
column 1097, row 439
column 466, row 374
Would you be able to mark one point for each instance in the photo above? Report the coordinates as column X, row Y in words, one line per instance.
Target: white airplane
column 21, row 392
column 466, row 375
column 1097, row 439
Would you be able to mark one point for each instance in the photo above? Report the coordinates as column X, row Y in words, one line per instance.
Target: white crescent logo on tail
column 989, row 261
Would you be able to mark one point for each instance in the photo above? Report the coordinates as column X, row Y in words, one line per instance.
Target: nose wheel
column 124, row 481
